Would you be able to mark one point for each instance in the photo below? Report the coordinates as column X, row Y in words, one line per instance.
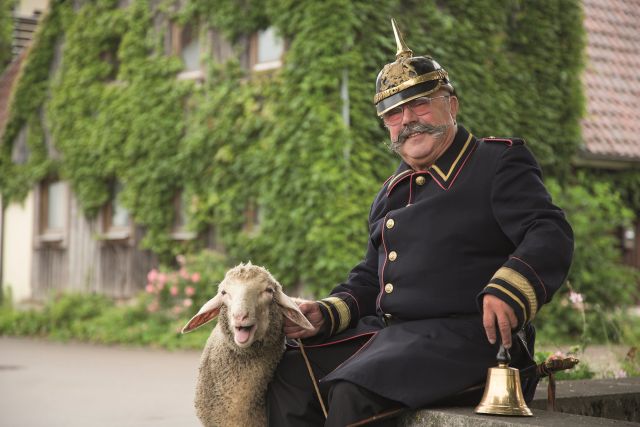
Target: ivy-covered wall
column 6, row 30
column 116, row 110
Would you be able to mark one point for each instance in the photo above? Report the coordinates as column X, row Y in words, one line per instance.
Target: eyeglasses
column 420, row 106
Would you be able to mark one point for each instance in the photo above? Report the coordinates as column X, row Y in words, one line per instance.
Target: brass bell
column 503, row 392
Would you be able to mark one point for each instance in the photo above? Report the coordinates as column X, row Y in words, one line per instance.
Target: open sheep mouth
column 243, row 333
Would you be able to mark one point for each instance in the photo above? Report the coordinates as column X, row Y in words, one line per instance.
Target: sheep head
column 246, row 297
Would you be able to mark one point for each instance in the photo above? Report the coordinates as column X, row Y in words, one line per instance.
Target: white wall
column 17, row 248
column 27, row 7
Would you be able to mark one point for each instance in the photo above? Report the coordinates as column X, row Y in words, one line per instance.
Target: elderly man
column 464, row 248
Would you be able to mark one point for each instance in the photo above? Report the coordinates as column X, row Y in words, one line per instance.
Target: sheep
column 244, row 348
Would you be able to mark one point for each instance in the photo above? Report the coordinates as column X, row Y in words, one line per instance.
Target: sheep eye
column 270, row 290
column 223, row 292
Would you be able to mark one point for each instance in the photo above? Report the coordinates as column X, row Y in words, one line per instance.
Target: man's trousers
column 292, row 400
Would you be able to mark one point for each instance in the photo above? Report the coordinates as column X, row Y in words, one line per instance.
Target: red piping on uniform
column 544, row 288
column 463, row 164
column 508, row 141
column 324, row 344
column 398, row 181
column 379, row 299
column 357, row 351
column 388, row 179
column 410, row 188
column 436, row 180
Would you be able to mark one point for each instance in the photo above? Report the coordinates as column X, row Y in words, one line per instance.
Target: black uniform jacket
column 478, row 221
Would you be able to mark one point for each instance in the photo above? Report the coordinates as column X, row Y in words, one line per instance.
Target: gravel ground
column 52, row 384
column 49, row 384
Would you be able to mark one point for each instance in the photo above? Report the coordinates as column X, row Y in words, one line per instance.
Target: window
column 267, row 49
column 185, row 43
column 110, row 56
column 53, row 209
column 190, row 49
column 117, row 223
column 254, row 216
column 20, row 149
column 631, row 244
column 180, row 218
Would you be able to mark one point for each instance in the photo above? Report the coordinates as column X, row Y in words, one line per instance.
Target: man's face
column 424, row 131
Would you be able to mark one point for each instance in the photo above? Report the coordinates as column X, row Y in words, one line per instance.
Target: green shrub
column 154, row 318
column 600, row 288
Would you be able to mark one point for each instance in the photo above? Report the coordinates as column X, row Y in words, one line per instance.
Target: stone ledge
column 610, row 398
column 614, row 402
column 465, row 417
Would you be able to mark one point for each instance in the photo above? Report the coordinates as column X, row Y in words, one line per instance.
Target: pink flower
column 575, row 297
column 176, row 310
column 577, row 300
column 162, row 278
column 153, row 307
column 173, row 291
column 187, row 302
column 195, row 277
column 184, row 273
column 150, row 288
column 620, row 373
column 152, row 276
column 189, row 291
column 160, row 286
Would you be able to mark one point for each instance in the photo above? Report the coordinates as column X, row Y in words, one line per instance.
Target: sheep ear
column 291, row 310
column 207, row 313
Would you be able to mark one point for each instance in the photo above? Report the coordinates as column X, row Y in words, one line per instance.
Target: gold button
column 421, row 180
column 390, row 223
column 393, row 255
column 388, row 288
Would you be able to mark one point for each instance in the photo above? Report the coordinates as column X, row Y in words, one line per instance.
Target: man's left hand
column 495, row 311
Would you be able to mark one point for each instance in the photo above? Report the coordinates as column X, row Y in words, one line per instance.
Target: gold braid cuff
column 333, row 322
column 343, row 314
column 512, row 296
column 521, row 283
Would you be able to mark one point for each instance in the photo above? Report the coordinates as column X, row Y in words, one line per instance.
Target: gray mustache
column 416, row 128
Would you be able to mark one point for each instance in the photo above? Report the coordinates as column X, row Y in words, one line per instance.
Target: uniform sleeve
column 356, row 297
column 542, row 237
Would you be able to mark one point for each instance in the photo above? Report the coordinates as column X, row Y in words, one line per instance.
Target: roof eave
column 605, row 161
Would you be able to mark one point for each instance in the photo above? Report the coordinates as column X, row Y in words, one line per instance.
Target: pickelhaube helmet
column 408, row 77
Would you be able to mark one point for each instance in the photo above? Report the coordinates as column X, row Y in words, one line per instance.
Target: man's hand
column 311, row 310
column 497, row 311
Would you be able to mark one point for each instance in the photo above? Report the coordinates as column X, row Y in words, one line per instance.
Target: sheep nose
column 239, row 317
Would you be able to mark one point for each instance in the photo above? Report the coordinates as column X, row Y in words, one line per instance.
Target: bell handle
column 503, row 355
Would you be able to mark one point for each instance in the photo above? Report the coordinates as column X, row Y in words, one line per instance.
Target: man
column 465, row 247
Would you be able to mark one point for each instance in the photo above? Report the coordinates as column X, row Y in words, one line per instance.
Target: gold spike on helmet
column 408, row 77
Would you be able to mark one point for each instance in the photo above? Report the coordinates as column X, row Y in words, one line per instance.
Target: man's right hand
column 495, row 311
column 311, row 310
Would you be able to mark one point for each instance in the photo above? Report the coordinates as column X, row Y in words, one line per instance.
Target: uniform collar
column 446, row 168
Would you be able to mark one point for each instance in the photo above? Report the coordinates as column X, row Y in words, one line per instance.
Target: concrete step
column 607, row 402
column 465, row 417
